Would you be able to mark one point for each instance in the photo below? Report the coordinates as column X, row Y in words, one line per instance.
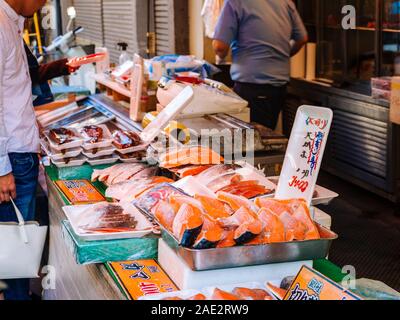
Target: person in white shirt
column 19, row 134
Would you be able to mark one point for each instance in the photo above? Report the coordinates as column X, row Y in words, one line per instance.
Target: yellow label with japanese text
column 79, row 191
column 142, row 278
column 311, row 285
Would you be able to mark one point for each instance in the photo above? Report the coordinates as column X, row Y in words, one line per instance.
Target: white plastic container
column 100, row 153
column 106, row 142
column 75, row 162
column 100, row 161
column 77, row 142
column 168, row 114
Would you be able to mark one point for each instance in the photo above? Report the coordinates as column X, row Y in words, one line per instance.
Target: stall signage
column 312, row 285
column 79, row 191
column 141, row 278
column 304, row 154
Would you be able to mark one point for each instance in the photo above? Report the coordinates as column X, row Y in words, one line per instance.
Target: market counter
column 73, row 281
column 93, row 281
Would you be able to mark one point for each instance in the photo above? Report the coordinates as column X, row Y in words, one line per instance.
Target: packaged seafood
column 197, row 155
column 97, row 153
column 96, row 138
column 61, row 135
column 148, row 200
column 125, row 139
column 102, row 160
column 123, row 172
column 244, row 291
column 62, row 139
column 70, row 162
column 105, row 217
column 133, row 157
column 92, row 134
column 129, row 190
column 58, row 155
column 107, row 221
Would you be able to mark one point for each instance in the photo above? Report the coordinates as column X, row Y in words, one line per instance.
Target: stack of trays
column 76, row 147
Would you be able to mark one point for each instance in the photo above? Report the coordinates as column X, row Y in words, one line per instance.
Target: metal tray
column 241, row 256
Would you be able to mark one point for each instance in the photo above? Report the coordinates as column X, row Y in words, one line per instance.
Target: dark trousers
column 25, row 168
column 265, row 101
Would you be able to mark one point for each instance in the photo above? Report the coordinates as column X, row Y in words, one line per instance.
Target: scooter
column 83, row 77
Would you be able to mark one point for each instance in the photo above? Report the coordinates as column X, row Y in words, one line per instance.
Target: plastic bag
column 174, row 64
column 210, row 13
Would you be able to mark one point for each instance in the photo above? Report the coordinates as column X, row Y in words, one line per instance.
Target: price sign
column 304, row 154
column 312, row 285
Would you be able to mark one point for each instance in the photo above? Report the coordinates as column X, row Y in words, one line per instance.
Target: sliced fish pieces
column 251, row 294
column 276, row 206
column 165, row 214
column 302, row 214
column 214, row 171
column 211, row 234
column 127, row 173
column 187, row 225
column 247, row 223
column 194, row 155
column 273, row 228
column 223, row 181
column 214, row 208
column 294, row 230
column 228, row 239
column 146, row 173
column 102, row 175
column 219, row 294
column 236, row 202
column 177, row 201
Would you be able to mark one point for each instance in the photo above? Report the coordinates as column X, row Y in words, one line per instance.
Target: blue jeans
column 25, row 168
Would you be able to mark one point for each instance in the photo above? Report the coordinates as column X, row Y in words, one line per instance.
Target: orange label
column 79, row 191
column 142, row 278
column 311, row 285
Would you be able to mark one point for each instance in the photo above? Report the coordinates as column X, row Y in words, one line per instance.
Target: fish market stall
column 179, row 219
column 184, row 199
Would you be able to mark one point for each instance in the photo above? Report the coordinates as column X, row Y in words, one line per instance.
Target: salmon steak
column 223, row 295
column 187, row 226
column 214, row 208
column 211, row 234
column 236, row 202
column 194, row 155
column 165, row 214
column 251, row 294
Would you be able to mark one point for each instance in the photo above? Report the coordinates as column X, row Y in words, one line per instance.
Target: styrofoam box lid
column 168, row 114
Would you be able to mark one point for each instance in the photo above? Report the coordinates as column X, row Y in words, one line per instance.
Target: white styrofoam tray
column 324, row 195
column 106, row 142
column 144, row 227
column 100, row 153
column 77, row 142
column 97, row 162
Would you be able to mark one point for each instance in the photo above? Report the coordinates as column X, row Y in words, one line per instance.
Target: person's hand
column 72, row 69
column 8, row 189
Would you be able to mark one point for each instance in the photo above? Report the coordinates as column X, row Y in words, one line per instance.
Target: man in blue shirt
column 263, row 35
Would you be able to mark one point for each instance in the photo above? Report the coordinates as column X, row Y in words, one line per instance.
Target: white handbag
column 21, row 248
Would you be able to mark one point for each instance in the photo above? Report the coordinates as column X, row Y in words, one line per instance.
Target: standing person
column 263, row 35
column 19, row 134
